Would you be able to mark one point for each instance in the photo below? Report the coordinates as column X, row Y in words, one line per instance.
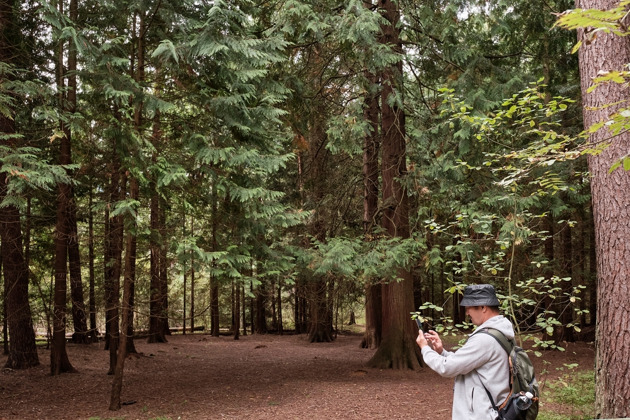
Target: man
column 480, row 362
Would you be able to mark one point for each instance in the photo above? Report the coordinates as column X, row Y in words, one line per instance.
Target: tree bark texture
column 316, row 173
column 398, row 349
column 371, row 187
column 22, row 350
column 611, row 212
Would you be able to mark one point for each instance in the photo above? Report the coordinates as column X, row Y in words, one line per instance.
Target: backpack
column 522, row 403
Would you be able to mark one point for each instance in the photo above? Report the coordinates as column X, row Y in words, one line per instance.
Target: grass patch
column 573, row 393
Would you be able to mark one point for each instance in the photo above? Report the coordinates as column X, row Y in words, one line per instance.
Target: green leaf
column 166, row 46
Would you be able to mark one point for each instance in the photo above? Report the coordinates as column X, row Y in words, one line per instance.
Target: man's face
column 475, row 313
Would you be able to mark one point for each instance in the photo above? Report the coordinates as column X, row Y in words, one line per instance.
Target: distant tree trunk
column 261, row 309
column 280, row 326
column 5, row 326
column 237, row 311
column 74, row 256
column 274, row 315
column 398, row 349
column 192, row 286
column 130, row 279
column 156, row 310
column 251, row 308
column 164, row 270
column 563, row 307
column 93, row 330
column 79, row 319
column 611, row 195
column 244, row 318
column 113, row 261
column 127, row 311
column 59, row 361
column 300, row 307
column 550, row 268
column 214, row 285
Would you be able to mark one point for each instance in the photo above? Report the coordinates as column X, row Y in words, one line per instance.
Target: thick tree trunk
column 371, row 147
column 320, row 322
column 611, row 198
column 398, row 349
column 19, row 323
column 22, row 349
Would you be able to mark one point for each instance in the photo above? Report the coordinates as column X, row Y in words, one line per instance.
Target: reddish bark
column 398, row 349
column 611, row 195
column 22, row 350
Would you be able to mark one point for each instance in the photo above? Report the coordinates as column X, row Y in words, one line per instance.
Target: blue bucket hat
column 479, row 295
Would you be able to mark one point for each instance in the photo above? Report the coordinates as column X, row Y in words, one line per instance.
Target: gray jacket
column 480, row 360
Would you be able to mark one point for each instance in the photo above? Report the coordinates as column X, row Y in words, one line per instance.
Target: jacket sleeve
column 471, row 356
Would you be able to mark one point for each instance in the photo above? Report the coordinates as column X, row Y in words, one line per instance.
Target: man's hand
column 421, row 340
column 434, row 340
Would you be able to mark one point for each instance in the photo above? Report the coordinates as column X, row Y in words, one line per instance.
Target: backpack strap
column 507, row 345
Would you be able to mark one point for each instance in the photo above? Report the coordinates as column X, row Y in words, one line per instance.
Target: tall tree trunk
column 237, row 311
column 74, row 257
column 164, row 270
column 280, row 326
column 319, row 322
column 92, row 277
column 59, row 361
column 125, row 327
column 371, row 147
column 129, row 281
column 261, row 309
column 611, row 195
column 398, row 349
column 113, row 261
column 244, row 318
column 5, row 325
column 192, row 280
column 214, row 285
column 156, row 330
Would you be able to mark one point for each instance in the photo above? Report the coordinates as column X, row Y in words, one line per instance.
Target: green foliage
column 574, row 392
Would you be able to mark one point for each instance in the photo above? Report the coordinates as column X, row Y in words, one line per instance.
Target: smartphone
column 424, row 326
column 420, row 326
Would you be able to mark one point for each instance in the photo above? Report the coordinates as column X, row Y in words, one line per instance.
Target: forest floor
column 257, row 377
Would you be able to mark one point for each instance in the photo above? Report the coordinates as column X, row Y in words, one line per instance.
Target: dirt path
column 256, row 377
